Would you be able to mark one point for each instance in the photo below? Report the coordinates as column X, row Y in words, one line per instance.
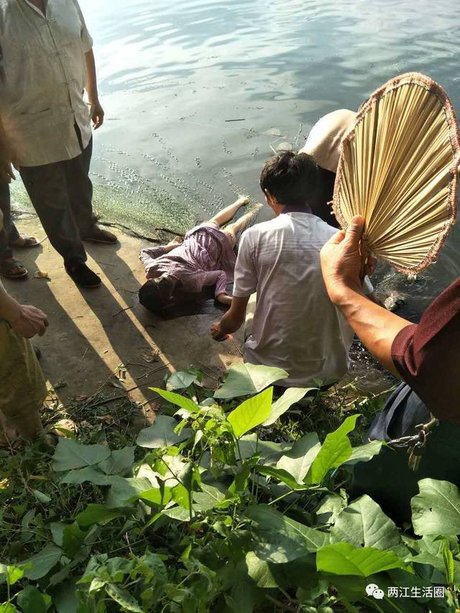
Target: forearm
column 9, row 308
column 91, row 79
column 375, row 326
column 230, row 322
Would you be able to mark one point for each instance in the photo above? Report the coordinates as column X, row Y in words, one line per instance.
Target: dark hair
column 291, row 178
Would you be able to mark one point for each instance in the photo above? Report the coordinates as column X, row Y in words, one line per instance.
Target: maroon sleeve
column 427, row 355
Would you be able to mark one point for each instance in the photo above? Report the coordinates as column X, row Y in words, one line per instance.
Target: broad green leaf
column 69, row 455
column 64, row 598
column 57, row 531
column 8, row 607
column 251, row 413
column 178, row 513
column 209, row 498
column 41, row 497
column 177, row 399
column 364, row 524
column 182, row 379
column 250, row 445
column 156, row 495
column 436, row 509
column 259, row 571
column 246, row 379
column 89, row 473
column 335, row 450
column 123, row 598
column 431, row 552
column 11, row 574
column 281, row 539
column 281, row 475
column 344, row 559
column 32, row 600
column 364, row 453
column 96, row 514
column 125, row 491
column 330, row 508
column 72, row 539
column 119, row 462
column 161, row 434
column 42, row 562
column 298, row 460
column 284, row 403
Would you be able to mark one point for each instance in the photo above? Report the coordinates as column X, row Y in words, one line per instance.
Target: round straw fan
column 398, row 169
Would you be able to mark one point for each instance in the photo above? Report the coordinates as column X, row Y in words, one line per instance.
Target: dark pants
column 387, row 478
column 61, row 194
column 9, row 232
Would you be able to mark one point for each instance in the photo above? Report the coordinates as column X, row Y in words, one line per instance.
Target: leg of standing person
column 9, row 266
column 80, row 191
column 48, row 192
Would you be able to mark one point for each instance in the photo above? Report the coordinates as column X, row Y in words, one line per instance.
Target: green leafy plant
column 218, row 508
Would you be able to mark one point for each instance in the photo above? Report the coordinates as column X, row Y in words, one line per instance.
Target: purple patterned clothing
column 205, row 258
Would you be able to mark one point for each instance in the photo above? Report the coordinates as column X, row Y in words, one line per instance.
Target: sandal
column 10, row 268
column 25, row 242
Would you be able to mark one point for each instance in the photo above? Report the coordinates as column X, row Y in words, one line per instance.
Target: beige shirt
column 295, row 326
column 42, row 77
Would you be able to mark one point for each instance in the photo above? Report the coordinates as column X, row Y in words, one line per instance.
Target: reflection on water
column 198, row 93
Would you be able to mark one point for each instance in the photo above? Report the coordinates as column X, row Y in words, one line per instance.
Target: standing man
column 46, row 63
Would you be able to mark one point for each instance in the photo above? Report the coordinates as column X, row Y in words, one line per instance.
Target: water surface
column 199, row 93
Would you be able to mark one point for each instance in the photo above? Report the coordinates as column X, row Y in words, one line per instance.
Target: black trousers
column 387, row 478
column 62, row 194
column 9, row 232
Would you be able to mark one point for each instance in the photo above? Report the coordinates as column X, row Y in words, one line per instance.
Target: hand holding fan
column 398, row 169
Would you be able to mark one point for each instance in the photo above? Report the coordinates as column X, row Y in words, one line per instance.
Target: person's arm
column 341, row 265
column 97, row 112
column 231, row 321
column 25, row 319
column 6, row 158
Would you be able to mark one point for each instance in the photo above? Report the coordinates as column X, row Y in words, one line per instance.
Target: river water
column 199, row 93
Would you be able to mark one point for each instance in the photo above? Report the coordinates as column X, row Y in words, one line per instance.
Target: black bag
column 387, row 478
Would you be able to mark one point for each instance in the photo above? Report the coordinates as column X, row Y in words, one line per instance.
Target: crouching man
column 295, row 327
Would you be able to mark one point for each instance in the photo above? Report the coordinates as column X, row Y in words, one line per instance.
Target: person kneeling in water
column 204, row 258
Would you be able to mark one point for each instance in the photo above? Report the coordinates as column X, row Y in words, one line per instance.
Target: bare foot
column 25, row 242
column 242, row 200
column 175, row 241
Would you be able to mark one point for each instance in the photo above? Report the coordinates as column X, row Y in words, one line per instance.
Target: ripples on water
column 173, row 74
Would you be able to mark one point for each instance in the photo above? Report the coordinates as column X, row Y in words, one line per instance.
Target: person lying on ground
column 323, row 144
column 22, row 385
column 295, row 325
column 10, row 267
column 426, row 356
column 204, row 258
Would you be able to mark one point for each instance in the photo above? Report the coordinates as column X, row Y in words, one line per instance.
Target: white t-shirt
column 295, row 327
column 42, row 77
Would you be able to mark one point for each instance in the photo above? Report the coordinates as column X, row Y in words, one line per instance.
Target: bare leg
column 229, row 212
column 242, row 223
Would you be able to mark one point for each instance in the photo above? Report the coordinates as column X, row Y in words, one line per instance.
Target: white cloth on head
column 326, row 136
column 42, row 77
column 295, row 326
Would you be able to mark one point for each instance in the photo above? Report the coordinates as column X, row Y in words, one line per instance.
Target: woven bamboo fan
column 398, row 169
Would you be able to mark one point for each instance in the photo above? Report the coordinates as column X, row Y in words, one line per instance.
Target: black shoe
column 83, row 276
column 99, row 235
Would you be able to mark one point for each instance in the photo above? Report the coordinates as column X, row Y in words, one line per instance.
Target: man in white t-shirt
column 295, row 326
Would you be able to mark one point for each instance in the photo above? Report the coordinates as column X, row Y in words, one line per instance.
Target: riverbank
column 102, row 342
